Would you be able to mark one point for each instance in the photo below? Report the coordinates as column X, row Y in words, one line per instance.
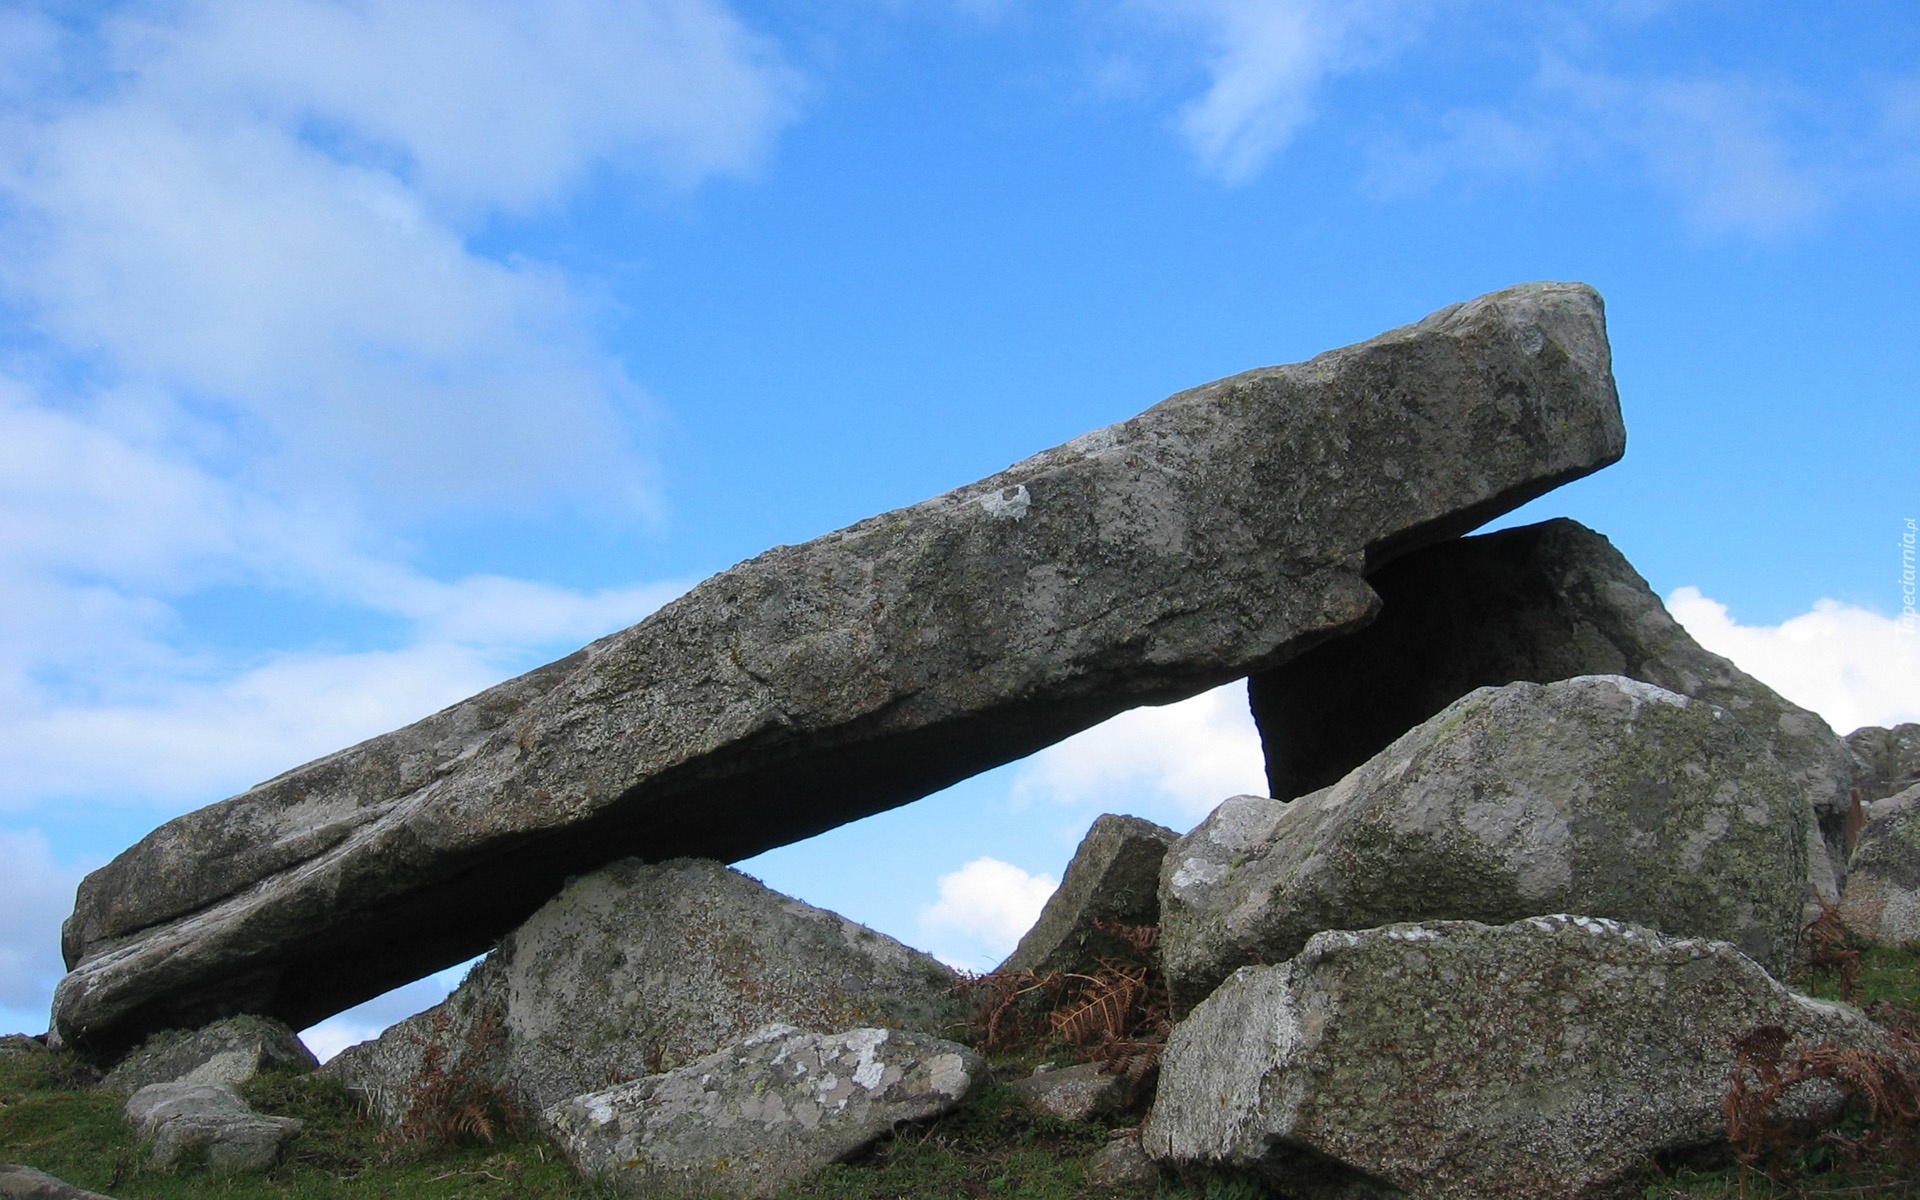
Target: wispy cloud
column 1266, row 61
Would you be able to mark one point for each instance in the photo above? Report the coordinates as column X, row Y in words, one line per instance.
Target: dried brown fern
column 1879, row 1117
column 458, row 1103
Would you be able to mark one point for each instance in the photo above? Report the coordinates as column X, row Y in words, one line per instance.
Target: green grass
column 50, row 1120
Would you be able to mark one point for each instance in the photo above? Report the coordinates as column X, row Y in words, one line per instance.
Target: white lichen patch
column 1008, row 503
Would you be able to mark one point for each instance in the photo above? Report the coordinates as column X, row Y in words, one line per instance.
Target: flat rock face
column 758, row 1114
column 1114, row 878
column 210, row 1118
column 230, row 1052
column 1221, row 532
column 1550, row 1058
column 1597, row 794
column 637, row 969
column 1889, row 760
column 1538, row 603
column 1882, row 901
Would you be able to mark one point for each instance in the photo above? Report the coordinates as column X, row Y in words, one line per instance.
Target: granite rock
column 209, row 1119
column 1598, row 794
column 1114, row 878
column 1219, row 533
column 230, row 1051
column 1882, row 901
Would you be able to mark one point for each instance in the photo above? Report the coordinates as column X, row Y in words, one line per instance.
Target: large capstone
column 768, row 1110
column 1549, row 1059
column 1219, row 533
column 1598, row 794
column 1539, row 603
column 637, row 969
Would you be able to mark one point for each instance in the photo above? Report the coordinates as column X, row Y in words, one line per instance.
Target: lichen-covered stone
column 229, row 1051
column 1889, row 760
column 1549, row 1059
column 758, row 1114
column 637, row 969
column 1882, row 901
column 1114, row 878
column 1121, row 1163
column 25, row 1183
column 1539, row 603
column 211, row 1119
column 1598, row 794
column 1219, row 533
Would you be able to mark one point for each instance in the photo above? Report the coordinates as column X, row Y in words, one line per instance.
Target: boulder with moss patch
column 1882, row 902
column 1548, row 1059
column 1598, row 794
column 640, row 968
column 770, row 1109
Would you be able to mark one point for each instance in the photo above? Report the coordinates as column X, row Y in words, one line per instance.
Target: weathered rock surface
column 760, row 1113
column 1598, row 794
column 1114, row 878
column 1077, row 1093
column 1882, row 902
column 1889, row 760
column 1218, row 533
column 1121, row 1163
column 25, row 1183
column 638, row 969
column 231, row 1051
column 21, row 1043
column 212, row 1119
column 1538, row 603
column 1551, row 1058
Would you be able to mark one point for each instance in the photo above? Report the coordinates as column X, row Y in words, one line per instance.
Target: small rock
column 639, row 968
column 231, row 1051
column 762, row 1112
column 209, row 1117
column 1114, row 877
column 22, row 1043
column 1598, row 794
column 1077, row 1093
column 25, row 1183
column 1121, row 1163
column 1882, row 901
column 1549, row 1059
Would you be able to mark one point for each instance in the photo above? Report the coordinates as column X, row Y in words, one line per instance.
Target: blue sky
column 354, row 356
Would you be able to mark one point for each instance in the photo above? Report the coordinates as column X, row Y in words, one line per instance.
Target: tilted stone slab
column 637, row 969
column 1539, row 603
column 763, row 1112
column 1114, row 879
column 1549, row 1059
column 1218, row 533
column 1598, row 794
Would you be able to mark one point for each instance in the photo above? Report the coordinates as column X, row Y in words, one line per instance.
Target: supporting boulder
column 756, row 1115
column 638, row 969
column 1219, row 533
column 1549, row 1059
column 1597, row 794
column 1537, row 604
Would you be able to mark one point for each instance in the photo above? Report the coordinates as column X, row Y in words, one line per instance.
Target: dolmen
column 1516, row 910
column 1219, row 534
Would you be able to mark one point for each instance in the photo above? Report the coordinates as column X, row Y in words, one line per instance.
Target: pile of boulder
column 1533, row 862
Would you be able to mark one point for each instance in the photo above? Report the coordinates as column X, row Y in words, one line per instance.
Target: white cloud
column 1177, row 760
column 989, row 905
column 36, row 894
column 1852, row 666
column 1267, row 59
